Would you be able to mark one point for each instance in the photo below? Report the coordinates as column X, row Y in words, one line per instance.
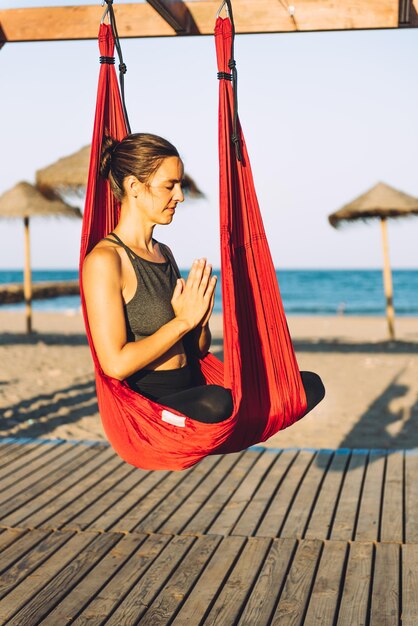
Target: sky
column 325, row 115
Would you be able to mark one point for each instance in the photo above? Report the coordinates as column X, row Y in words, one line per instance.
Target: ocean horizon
column 303, row 291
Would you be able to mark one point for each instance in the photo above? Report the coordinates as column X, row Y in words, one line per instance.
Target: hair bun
column 108, row 146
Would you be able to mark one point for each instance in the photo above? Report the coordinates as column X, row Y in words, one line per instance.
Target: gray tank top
column 150, row 308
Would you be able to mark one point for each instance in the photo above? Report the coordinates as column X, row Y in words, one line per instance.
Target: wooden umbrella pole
column 387, row 280
column 27, row 282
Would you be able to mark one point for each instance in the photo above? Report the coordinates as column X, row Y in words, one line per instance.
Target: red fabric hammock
column 259, row 361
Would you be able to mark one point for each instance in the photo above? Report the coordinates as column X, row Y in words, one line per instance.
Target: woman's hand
column 193, row 299
column 205, row 321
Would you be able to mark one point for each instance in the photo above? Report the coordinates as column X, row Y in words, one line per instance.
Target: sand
column 47, row 383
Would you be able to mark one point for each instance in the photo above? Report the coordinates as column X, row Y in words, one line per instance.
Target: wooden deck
column 288, row 538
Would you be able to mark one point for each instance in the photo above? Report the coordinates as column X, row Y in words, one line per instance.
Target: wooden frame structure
column 165, row 18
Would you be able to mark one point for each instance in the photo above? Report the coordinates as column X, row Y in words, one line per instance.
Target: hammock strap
column 232, row 66
column 122, row 65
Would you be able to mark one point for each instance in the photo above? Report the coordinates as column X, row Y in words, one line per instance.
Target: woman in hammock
column 141, row 313
column 145, row 320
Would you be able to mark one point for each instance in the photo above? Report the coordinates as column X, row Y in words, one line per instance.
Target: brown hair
column 138, row 154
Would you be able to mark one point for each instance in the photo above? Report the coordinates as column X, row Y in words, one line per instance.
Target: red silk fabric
column 259, row 362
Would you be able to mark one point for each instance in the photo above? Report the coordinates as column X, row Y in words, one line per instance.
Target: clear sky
column 326, row 116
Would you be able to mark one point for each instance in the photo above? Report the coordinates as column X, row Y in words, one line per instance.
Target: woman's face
column 158, row 198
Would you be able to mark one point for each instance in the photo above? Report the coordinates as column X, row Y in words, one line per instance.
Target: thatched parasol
column 25, row 201
column 381, row 201
column 69, row 174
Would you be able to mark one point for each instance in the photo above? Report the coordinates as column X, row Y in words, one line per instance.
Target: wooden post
column 27, row 280
column 387, row 280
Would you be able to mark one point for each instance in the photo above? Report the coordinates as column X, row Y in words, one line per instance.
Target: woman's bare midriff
column 171, row 360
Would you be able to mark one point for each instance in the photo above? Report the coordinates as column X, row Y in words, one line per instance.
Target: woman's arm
column 102, row 289
column 204, row 339
column 198, row 341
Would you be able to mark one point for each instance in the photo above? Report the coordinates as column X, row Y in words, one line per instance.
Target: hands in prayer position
column 194, row 298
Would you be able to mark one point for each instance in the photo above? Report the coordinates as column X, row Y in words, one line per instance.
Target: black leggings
column 174, row 388
column 209, row 404
column 206, row 403
column 314, row 389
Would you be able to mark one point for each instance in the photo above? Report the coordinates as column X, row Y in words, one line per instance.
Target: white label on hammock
column 171, row 418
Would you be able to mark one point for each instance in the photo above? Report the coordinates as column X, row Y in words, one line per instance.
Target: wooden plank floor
column 284, row 537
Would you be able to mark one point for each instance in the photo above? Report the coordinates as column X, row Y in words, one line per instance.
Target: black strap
column 108, row 60
column 234, row 78
column 131, row 254
column 122, row 66
column 224, row 76
column 166, row 252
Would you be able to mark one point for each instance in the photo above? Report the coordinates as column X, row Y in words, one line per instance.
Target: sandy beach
column 47, row 384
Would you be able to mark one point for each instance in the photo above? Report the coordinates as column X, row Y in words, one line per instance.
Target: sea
column 304, row 292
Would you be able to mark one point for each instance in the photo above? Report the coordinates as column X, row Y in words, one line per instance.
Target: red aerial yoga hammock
column 259, row 361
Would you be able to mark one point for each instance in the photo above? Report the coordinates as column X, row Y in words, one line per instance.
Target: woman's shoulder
column 104, row 256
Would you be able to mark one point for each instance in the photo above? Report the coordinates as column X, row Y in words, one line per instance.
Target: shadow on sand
column 334, row 345
column 44, row 412
column 373, row 428
column 49, row 339
column 375, row 423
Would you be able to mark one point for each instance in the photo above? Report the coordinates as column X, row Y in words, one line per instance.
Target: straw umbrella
column 69, row 174
column 25, row 201
column 381, row 202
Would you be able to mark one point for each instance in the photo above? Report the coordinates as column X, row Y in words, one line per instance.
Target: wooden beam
column 269, row 16
column 177, row 15
column 251, row 16
column 80, row 22
column 408, row 13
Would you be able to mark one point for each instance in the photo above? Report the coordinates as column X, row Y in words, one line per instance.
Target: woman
column 144, row 319
column 147, row 322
